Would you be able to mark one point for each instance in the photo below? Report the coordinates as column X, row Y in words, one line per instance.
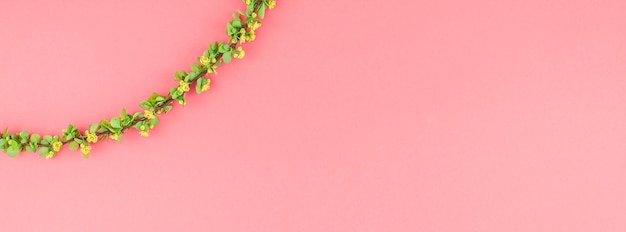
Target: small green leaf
column 44, row 151
column 115, row 123
column 12, row 152
column 227, row 57
column 35, row 138
column 31, row 147
column 145, row 105
column 262, row 10
column 13, row 144
column 201, row 82
column 153, row 122
column 167, row 108
column 195, row 67
column 191, row 76
column 73, row 145
column 94, row 127
column 237, row 23
column 230, row 30
column 24, row 134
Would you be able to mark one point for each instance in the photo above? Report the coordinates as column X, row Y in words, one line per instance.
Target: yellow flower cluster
column 148, row 114
column 183, row 86
column 240, row 53
column 255, row 25
column 144, row 133
column 246, row 35
column 50, row 155
column 204, row 60
column 271, row 4
column 56, row 146
column 91, row 137
column 115, row 137
column 207, row 86
column 85, row 149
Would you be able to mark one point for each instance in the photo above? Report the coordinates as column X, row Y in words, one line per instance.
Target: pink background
column 344, row 116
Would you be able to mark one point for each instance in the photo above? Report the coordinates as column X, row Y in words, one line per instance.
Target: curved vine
column 241, row 29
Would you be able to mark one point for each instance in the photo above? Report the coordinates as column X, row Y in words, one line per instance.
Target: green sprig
column 240, row 29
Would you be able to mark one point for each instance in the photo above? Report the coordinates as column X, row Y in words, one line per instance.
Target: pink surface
column 343, row 116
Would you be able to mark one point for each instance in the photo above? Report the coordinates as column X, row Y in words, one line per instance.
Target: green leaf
column 237, row 23
column 227, row 57
column 115, row 123
column 123, row 114
column 70, row 128
column 191, row 76
column 262, row 10
column 223, row 47
column 47, row 138
column 153, row 122
column 198, row 87
column 73, row 145
column 12, row 152
column 145, row 105
column 31, row 147
column 105, row 124
column 24, row 134
column 195, row 67
column 35, row 138
column 13, row 144
column 167, row 108
column 44, row 151
column 94, row 127
column 199, row 84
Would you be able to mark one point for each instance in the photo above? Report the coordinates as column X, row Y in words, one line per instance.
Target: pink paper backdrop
column 344, row 116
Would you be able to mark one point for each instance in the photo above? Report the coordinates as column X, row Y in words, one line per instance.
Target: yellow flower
column 204, row 60
column 148, row 114
column 143, row 133
column 50, row 155
column 255, row 25
column 56, row 146
column 240, row 53
column 271, row 4
column 91, row 137
column 85, row 149
column 114, row 137
column 183, row 86
column 251, row 36
column 204, row 88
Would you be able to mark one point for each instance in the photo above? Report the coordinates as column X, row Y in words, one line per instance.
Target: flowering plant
column 241, row 29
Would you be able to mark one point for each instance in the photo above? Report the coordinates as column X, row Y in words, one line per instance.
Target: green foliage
column 73, row 145
column 240, row 29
